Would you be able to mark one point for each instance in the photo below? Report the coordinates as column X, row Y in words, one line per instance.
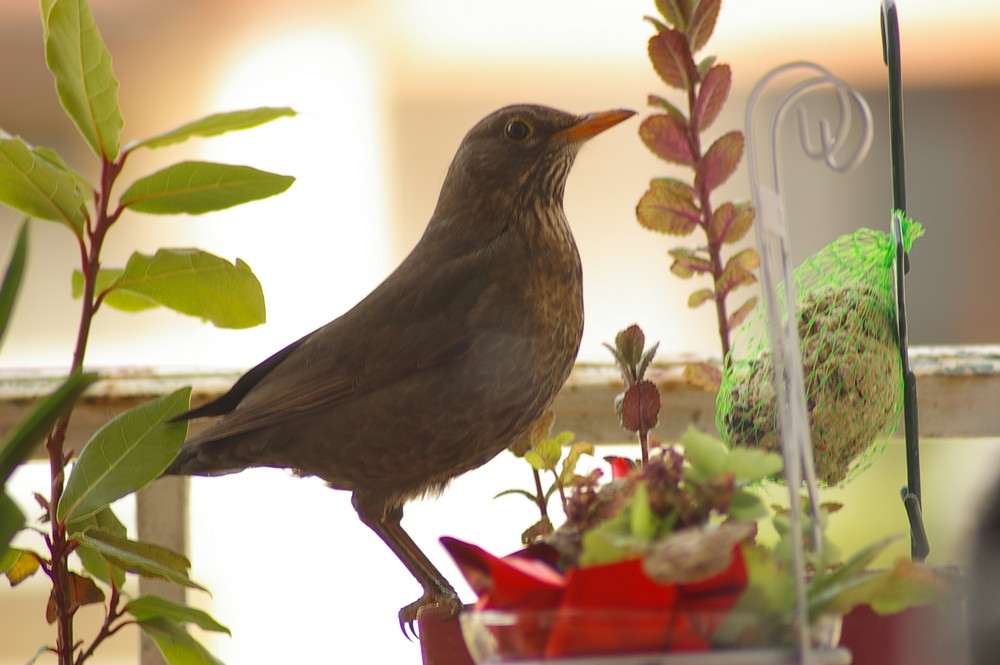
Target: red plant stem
column 60, row 547
column 107, row 630
column 714, row 244
column 644, row 444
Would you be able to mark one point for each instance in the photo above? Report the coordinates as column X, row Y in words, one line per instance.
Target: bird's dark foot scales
column 446, row 601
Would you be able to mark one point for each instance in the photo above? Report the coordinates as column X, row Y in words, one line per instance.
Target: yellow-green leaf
column 25, row 565
column 125, row 455
column 176, row 645
column 149, row 607
column 196, row 283
column 218, row 123
column 146, row 559
column 36, row 187
column 199, row 187
column 81, row 65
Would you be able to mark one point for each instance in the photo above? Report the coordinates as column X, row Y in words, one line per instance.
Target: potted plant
column 84, row 548
column 666, row 558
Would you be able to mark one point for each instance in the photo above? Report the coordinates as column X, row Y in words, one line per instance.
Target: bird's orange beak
column 592, row 124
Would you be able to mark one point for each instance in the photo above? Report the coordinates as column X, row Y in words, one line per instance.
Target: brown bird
column 447, row 362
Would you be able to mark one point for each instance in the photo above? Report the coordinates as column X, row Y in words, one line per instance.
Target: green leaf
column 12, row 278
column 668, row 206
column 193, row 282
column 33, row 185
column 145, row 559
column 656, row 100
column 673, row 12
column 545, row 455
column 149, row 607
column 746, row 506
column 92, row 561
column 120, row 299
column 750, row 466
column 11, row 521
column 576, row 451
column 706, row 454
column 199, row 187
column 81, row 65
column 700, row 297
column 216, row 124
column 125, row 455
column 21, row 440
column 176, row 645
column 643, row 522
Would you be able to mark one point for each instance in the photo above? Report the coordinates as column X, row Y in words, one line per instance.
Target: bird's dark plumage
column 444, row 364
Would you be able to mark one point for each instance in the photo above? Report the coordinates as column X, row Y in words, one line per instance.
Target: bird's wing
column 389, row 336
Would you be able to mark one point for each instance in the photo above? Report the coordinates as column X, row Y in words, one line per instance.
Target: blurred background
column 386, row 89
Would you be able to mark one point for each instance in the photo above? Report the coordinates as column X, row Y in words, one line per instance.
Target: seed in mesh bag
column 851, row 363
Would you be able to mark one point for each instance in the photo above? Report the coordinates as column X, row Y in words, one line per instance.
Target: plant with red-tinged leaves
column 676, row 207
column 638, row 407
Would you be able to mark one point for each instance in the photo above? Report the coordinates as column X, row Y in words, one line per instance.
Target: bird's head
column 525, row 151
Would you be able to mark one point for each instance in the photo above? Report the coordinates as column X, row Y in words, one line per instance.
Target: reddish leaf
column 720, row 161
column 712, row 95
column 702, row 23
column 733, row 277
column 740, row 315
column 687, row 263
column 671, row 58
column 668, row 206
column 700, row 297
column 667, row 136
column 82, row 591
column 630, row 343
column 704, row 376
column 730, row 222
column 641, row 407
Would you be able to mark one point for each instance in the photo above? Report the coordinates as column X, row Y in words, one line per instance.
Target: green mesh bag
column 850, row 357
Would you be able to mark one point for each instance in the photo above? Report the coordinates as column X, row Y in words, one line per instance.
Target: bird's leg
column 386, row 523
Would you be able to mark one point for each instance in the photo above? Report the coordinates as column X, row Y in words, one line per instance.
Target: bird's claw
column 448, row 602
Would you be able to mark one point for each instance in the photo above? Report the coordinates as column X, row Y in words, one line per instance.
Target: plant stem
column 60, row 547
column 714, row 245
column 540, row 495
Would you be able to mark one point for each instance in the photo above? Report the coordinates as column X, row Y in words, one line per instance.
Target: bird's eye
column 517, row 130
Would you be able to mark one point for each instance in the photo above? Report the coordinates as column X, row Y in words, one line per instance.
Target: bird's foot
column 444, row 598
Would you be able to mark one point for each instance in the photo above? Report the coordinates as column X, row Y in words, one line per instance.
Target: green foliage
column 38, row 187
column 199, row 187
column 543, row 455
column 81, row 65
column 218, row 123
column 189, row 281
column 136, row 446
column 125, row 455
column 12, row 278
column 675, row 207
